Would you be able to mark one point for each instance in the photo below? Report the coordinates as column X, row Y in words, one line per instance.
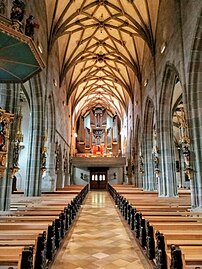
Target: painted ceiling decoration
column 101, row 47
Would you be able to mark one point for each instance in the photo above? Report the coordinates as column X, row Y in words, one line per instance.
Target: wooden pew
column 31, row 219
column 186, row 255
column 10, row 254
column 190, row 239
column 18, row 242
column 169, row 225
column 169, row 219
column 16, row 256
column 172, row 218
column 25, row 226
column 26, row 218
column 26, row 231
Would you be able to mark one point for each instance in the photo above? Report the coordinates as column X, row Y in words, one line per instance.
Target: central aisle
column 99, row 239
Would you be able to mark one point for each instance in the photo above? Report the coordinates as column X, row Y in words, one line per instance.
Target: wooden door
column 98, row 180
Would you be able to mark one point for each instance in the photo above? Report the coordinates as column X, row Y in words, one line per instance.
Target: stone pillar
column 149, row 169
column 34, row 172
column 196, row 152
column 167, row 179
column 129, row 172
column 147, row 146
column 49, row 179
column 67, row 179
column 194, row 108
column 149, row 176
column 67, row 173
column 60, row 179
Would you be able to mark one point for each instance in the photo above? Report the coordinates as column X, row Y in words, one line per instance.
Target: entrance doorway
column 98, row 178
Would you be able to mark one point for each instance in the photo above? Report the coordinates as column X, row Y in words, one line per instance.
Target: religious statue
column 5, row 119
column 186, row 154
column 65, row 163
column 57, row 152
column 184, row 141
column 16, row 152
column 29, row 27
column 17, row 10
column 141, row 164
column 183, row 126
column 156, row 162
column 43, row 159
column 155, row 153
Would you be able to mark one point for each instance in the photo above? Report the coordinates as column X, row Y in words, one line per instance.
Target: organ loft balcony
column 97, row 139
column 98, row 156
column 88, row 160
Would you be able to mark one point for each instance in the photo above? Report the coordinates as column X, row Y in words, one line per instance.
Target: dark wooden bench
column 179, row 227
column 39, row 225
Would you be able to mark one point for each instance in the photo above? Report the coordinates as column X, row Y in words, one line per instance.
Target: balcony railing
column 98, row 155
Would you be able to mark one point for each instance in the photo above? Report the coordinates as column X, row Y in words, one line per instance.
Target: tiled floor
column 99, row 239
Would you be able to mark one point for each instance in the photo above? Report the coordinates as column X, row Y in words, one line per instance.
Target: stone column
column 194, row 108
column 34, row 172
column 67, row 174
column 49, row 180
column 167, row 179
column 147, row 146
column 196, row 152
column 60, row 180
column 129, row 172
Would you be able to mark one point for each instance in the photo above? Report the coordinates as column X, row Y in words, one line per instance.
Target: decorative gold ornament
column 184, row 141
column 65, row 160
column 5, row 120
column 17, row 143
column 44, row 158
column 57, row 153
column 3, row 159
column 155, row 154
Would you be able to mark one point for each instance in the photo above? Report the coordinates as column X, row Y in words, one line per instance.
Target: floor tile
column 99, row 239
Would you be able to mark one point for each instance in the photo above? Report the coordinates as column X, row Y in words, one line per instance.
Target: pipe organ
column 98, row 131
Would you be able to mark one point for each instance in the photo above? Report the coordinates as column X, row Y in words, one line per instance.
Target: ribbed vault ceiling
column 101, row 45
